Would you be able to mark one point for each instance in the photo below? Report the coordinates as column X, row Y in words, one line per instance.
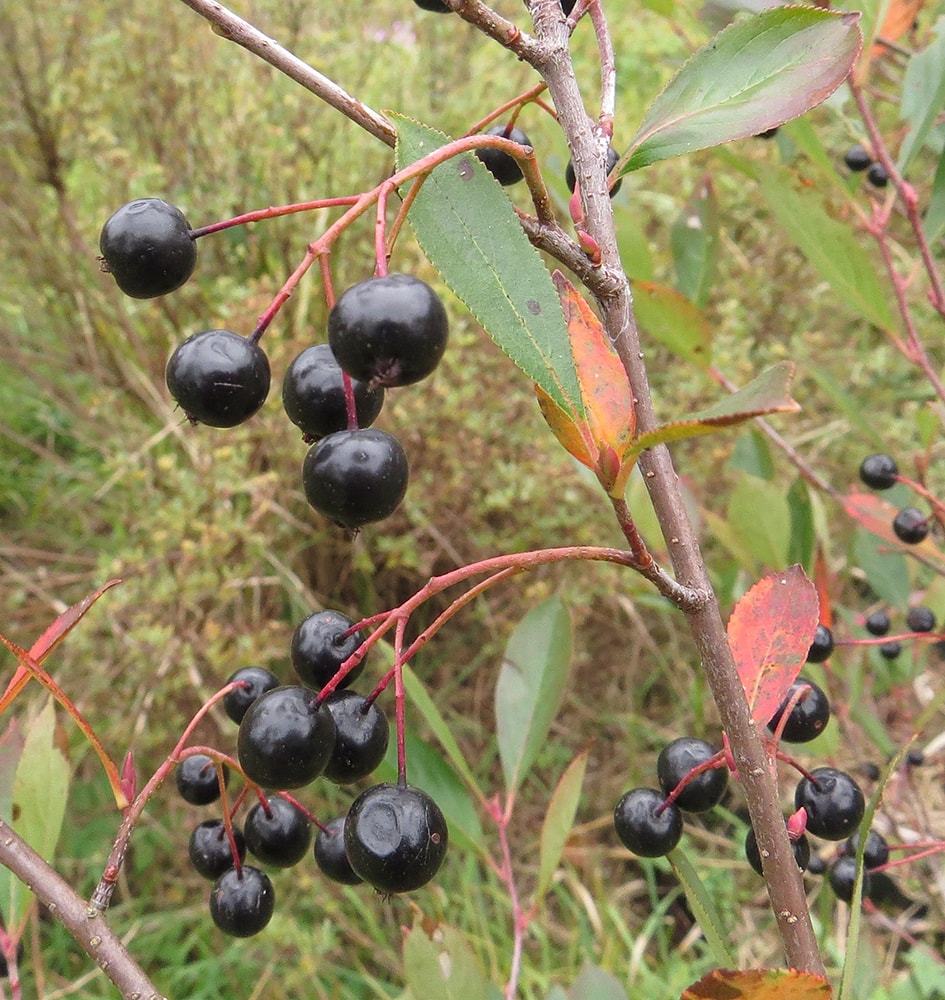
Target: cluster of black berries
column 384, row 332
column 393, row 837
column 858, row 158
column 880, row 472
column 878, row 623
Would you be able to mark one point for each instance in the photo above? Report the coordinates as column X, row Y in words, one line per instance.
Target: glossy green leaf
column 531, row 681
column 886, row 568
column 768, row 538
column 803, row 533
column 670, row 319
column 923, row 96
column 593, row 983
column 833, row 247
column 702, row 906
column 468, row 229
column 694, row 241
column 559, row 820
column 934, row 223
column 757, row 73
column 440, row 965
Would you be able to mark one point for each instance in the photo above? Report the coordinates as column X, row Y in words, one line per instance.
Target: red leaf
column 759, row 984
column 770, row 632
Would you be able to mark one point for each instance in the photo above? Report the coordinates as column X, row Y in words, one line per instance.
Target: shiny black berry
column 388, row 331
column 241, row 902
column 801, row 848
column 356, row 477
column 914, row 758
column 676, row 760
column 279, row 835
column 285, row 738
column 920, row 619
column 612, row 157
column 320, row 645
column 218, row 378
column 436, row 6
column 877, row 175
column 362, row 734
column 259, row 681
column 313, row 395
column 878, row 623
column 503, row 167
column 148, row 248
column 395, row 837
column 911, row 526
column 641, row 829
column 842, row 877
column 822, row 645
column 197, row 781
column 809, row 715
column 879, row 471
column 890, row 650
column 876, row 851
column 331, row 856
column 858, row 158
column 210, row 851
column 834, row 803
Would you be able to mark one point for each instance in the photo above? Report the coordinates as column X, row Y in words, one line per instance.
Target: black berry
column 331, row 856
column 567, row 6
column 612, row 157
column 877, row 175
column 319, row 647
column 676, row 760
column 876, row 851
column 890, row 650
column 869, row 770
column 395, row 837
column 148, row 248
column 834, row 803
column 915, row 758
column 911, row 526
column 921, row 619
column 388, row 331
column 816, row 865
column 362, row 734
column 436, row 6
column 801, row 848
column 218, row 378
column 260, row 681
column 879, row 471
column 842, row 877
column 858, row 158
column 503, row 167
column 807, row 718
column 356, row 477
column 210, row 851
column 313, row 395
column 641, row 829
column 280, row 836
column 285, row 738
column 822, row 646
column 878, row 623
column 241, row 902
column 197, row 781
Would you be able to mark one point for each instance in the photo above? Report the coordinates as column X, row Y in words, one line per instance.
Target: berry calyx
column 676, row 760
column 395, row 837
column 878, row 623
column 388, row 331
column 875, row 853
column 643, row 830
column 148, row 248
column 842, row 878
column 259, row 681
column 197, row 781
column 320, row 645
column 612, row 157
column 278, row 836
column 356, row 477
column 822, row 645
column 218, row 378
column 285, row 738
column 503, row 166
column 331, row 856
column 911, row 526
column 858, row 158
column 807, row 718
column 879, row 472
column 801, row 848
column 242, row 901
column 361, row 737
column 834, row 803
column 313, row 395
column 209, row 848
column 877, row 175
column 920, row 619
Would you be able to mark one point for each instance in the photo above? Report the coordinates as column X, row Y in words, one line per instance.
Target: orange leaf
column 770, row 632
column 900, row 16
column 759, row 984
column 822, row 580
column 574, row 435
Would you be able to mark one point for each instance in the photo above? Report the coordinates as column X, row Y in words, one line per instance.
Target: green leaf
column 832, row 247
column 468, row 229
column 670, row 319
column 593, row 983
column 442, row 966
column 923, row 96
column 757, row 73
column 703, row 908
column 694, row 241
column 886, row 568
column 934, row 223
column 768, row 538
column 559, row 821
column 531, row 681
column 803, row 532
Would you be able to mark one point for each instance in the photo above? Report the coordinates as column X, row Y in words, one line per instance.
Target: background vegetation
column 220, row 554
